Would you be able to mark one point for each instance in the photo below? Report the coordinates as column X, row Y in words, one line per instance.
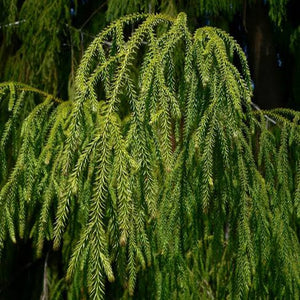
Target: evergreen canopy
column 156, row 178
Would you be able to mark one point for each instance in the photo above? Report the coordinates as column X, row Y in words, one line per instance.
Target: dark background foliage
column 42, row 42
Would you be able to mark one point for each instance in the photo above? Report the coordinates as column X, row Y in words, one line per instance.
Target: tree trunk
column 266, row 73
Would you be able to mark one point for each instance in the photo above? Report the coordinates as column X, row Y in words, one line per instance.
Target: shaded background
column 42, row 42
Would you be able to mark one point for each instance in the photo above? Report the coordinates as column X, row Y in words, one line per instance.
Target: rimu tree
column 157, row 178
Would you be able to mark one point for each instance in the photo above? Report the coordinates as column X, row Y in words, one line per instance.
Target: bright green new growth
column 157, row 176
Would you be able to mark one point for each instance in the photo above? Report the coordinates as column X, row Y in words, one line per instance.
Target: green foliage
column 277, row 8
column 277, row 11
column 40, row 28
column 157, row 179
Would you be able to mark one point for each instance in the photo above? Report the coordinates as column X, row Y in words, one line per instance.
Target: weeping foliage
column 39, row 27
column 157, row 179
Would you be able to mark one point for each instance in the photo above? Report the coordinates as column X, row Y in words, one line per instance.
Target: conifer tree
column 158, row 178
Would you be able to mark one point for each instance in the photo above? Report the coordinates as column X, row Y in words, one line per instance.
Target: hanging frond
column 156, row 177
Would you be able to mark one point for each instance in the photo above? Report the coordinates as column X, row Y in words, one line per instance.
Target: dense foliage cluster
column 156, row 177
